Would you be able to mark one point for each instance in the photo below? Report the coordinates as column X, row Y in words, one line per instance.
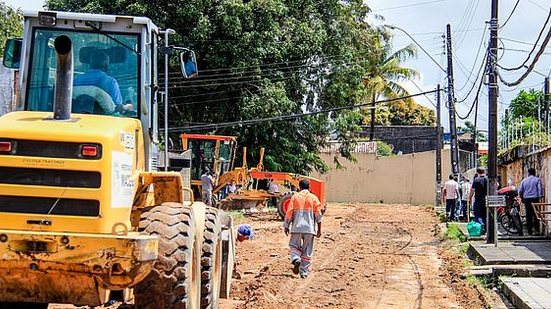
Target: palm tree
column 385, row 73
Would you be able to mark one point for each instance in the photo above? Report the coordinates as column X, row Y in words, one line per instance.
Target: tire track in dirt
column 370, row 256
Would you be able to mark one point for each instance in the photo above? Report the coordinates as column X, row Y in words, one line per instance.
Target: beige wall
column 408, row 179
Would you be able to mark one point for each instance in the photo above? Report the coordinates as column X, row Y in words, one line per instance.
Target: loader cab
column 215, row 152
column 115, row 68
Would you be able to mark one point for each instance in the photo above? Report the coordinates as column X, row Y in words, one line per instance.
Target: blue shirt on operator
column 99, row 79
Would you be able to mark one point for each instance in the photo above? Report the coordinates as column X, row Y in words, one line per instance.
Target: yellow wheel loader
column 86, row 212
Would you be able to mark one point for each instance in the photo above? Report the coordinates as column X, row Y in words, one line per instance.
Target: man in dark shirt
column 479, row 189
column 531, row 191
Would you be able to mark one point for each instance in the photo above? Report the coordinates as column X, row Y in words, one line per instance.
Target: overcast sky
column 426, row 21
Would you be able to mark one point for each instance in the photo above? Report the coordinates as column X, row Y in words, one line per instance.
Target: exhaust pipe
column 63, row 78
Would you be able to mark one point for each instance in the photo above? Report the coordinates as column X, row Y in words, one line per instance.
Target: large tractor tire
column 228, row 253
column 283, row 204
column 174, row 281
column 211, row 260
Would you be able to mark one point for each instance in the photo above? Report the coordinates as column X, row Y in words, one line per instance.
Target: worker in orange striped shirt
column 301, row 219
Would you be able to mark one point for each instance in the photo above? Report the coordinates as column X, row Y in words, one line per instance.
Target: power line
column 257, row 73
column 426, row 96
column 533, row 64
column 534, row 46
column 519, row 50
column 408, row 5
column 475, row 102
column 291, row 116
column 474, row 62
column 479, row 74
column 510, row 15
column 518, row 41
column 468, row 23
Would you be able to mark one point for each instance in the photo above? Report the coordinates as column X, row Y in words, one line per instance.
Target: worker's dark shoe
column 303, row 275
column 296, row 266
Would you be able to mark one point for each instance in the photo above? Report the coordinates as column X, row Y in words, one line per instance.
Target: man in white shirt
column 465, row 190
column 450, row 195
column 207, row 184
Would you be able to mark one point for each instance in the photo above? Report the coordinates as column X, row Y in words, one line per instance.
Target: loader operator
column 96, row 77
column 301, row 219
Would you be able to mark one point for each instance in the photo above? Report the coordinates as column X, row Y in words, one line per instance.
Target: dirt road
column 370, row 256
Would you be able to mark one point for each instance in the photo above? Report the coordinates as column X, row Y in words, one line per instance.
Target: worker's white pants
column 207, row 197
column 302, row 248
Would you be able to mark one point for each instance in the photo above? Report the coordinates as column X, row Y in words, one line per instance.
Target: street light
column 417, row 43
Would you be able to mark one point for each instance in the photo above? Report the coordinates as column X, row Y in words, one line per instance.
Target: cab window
column 105, row 80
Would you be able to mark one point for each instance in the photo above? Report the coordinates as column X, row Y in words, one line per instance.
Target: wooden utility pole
column 546, row 104
column 372, row 124
column 454, row 147
column 492, row 117
column 438, row 150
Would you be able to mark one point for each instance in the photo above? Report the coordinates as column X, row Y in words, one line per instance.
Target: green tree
column 262, row 59
column 470, row 128
column 11, row 24
column 525, row 104
column 385, row 72
column 522, row 126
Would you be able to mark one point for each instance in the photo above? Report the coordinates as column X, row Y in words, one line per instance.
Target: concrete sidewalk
column 528, row 293
column 511, row 252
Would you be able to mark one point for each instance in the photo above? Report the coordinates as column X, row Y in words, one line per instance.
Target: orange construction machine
column 217, row 154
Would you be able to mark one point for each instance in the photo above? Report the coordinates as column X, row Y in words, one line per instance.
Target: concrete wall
column 407, row 179
column 407, row 139
column 515, row 168
column 515, row 164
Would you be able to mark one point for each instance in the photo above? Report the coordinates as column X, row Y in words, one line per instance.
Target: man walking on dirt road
column 301, row 218
column 451, row 194
column 531, row 191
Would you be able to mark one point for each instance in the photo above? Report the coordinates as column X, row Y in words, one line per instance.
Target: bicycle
column 509, row 216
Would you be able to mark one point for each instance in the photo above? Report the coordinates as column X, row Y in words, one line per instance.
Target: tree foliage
column 470, row 128
column 11, row 24
column 523, row 125
column 525, row 104
column 266, row 58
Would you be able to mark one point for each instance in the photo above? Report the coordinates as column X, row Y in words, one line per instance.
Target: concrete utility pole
column 492, row 118
column 454, row 147
column 546, row 104
column 438, row 150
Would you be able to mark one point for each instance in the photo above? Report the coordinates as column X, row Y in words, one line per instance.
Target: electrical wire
column 426, row 96
column 533, row 47
column 215, row 126
column 474, row 62
column 510, row 15
column 475, row 102
column 408, row 5
column 468, row 23
column 532, row 65
column 480, row 75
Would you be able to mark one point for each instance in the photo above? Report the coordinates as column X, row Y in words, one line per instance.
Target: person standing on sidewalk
column 531, row 191
column 465, row 190
column 303, row 221
column 451, row 195
column 479, row 189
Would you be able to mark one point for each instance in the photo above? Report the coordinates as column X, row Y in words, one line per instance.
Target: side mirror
column 188, row 63
column 12, row 53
